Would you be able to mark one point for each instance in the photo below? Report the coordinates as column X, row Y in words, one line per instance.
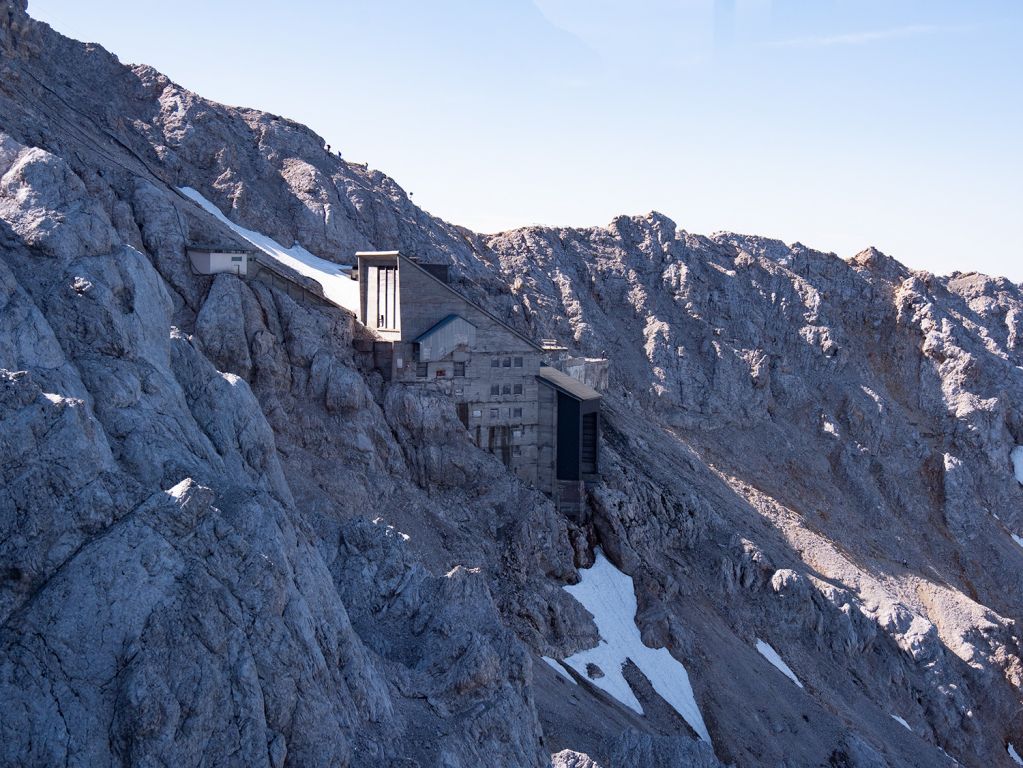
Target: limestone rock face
column 225, row 540
column 568, row 758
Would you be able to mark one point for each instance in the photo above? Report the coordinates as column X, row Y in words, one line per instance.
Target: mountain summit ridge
column 225, row 539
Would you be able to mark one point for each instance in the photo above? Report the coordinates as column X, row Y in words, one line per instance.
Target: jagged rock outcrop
column 223, row 539
column 568, row 758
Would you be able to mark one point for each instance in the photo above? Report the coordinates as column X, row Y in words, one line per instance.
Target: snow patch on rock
column 337, row 284
column 608, row 594
column 1014, row 755
column 772, row 656
column 1017, row 462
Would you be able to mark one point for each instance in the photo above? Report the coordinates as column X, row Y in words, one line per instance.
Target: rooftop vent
column 552, row 345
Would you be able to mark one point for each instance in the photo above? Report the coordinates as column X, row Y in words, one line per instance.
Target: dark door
column 589, row 447
column 569, row 433
column 463, row 414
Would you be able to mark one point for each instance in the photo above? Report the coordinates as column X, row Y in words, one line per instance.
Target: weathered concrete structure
column 569, row 437
column 209, row 260
column 543, row 424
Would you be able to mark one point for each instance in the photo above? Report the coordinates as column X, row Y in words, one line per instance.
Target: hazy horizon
column 839, row 125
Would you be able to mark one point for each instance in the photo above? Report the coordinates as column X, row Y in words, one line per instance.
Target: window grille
column 387, row 296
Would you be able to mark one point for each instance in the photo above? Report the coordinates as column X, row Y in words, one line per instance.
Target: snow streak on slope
column 608, row 594
column 901, row 722
column 1015, row 755
column 772, row 656
column 337, row 285
column 556, row 666
column 1017, row 462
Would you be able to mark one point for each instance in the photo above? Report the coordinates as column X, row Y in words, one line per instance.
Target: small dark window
column 440, row 373
column 495, row 363
column 516, row 450
column 506, row 389
column 495, row 389
column 493, row 413
column 517, row 389
column 236, row 258
column 507, row 362
column 415, row 352
column 459, row 369
column 422, row 370
column 518, row 362
column 517, row 413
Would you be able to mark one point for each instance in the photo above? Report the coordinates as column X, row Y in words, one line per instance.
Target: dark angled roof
column 565, row 383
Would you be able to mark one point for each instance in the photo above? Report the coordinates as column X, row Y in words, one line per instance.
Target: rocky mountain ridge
column 224, row 541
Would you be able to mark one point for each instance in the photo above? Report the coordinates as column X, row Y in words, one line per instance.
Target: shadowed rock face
column 221, row 541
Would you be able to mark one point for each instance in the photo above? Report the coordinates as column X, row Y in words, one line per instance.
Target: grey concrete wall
column 264, row 274
column 546, row 439
column 507, row 419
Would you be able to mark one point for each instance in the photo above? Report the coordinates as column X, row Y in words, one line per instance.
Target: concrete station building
column 529, row 404
column 541, row 422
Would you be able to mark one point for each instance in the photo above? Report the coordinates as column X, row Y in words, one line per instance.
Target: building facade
column 569, row 438
column 508, row 401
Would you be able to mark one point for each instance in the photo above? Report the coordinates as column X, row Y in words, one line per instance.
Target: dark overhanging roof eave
column 566, row 384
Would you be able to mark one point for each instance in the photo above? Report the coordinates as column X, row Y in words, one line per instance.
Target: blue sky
column 837, row 123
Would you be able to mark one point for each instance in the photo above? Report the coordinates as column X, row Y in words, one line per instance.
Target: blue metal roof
column 438, row 326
